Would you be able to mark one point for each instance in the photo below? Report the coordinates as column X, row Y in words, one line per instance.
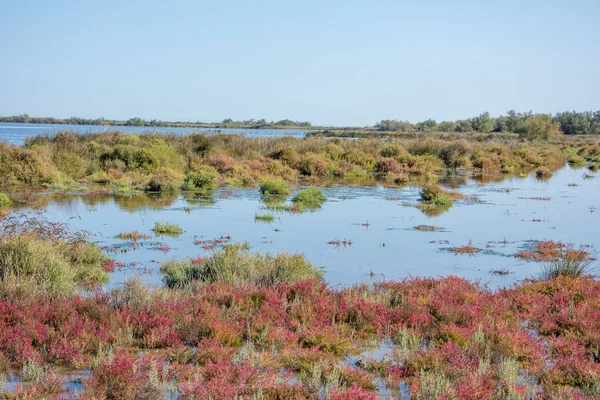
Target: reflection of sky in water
column 388, row 247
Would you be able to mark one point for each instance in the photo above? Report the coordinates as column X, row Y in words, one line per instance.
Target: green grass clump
column 165, row 228
column 4, row 200
column 267, row 217
column 203, row 180
column 274, row 187
column 236, row 265
column 133, row 236
column 310, row 197
column 435, row 195
column 567, row 265
column 30, row 265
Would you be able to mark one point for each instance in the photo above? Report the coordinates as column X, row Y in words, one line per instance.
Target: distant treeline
column 226, row 123
column 569, row 123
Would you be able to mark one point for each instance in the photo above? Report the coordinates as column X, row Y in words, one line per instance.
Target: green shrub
column 310, row 197
column 29, row 265
column 435, row 195
column 205, row 180
column 164, row 180
column 275, row 187
column 4, row 200
column 236, row 265
column 165, row 228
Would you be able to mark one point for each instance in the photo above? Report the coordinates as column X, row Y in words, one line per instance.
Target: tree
column 427, row 126
column 447, row 126
column 464, row 125
column 483, row 123
column 574, row 123
column 540, row 127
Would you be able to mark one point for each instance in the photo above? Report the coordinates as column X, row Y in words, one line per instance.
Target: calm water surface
column 17, row 133
column 379, row 221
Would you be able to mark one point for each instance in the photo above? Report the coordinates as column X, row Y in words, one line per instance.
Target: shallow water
column 17, row 133
column 379, row 221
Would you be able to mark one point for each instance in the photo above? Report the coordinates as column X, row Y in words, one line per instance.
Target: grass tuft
column 310, row 198
column 568, row 265
column 236, row 265
column 274, row 187
column 165, row 228
column 267, row 217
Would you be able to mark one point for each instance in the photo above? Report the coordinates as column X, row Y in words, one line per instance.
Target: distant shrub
column 165, row 180
column 234, row 264
column 275, row 187
column 310, row 197
column 543, row 173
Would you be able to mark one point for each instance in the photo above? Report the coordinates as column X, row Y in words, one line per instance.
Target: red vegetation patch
column 466, row 249
column 220, row 341
column 549, row 250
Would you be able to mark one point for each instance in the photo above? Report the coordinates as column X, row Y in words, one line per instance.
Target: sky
column 340, row 63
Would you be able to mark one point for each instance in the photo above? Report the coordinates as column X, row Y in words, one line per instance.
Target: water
column 377, row 220
column 17, row 133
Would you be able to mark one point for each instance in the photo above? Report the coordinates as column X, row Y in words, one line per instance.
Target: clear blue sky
column 328, row 62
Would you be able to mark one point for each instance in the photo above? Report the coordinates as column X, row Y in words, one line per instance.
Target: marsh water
column 17, row 133
column 506, row 216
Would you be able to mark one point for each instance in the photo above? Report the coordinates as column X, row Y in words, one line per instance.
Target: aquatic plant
column 310, row 198
column 466, row 249
column 274, row 187
column 264, row 217
column 133, row 236
column 426, row 228
column 166, row 228
column 435, row 195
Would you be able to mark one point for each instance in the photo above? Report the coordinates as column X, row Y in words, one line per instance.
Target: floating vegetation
column 264, row 217
column 537, row 198
column 426, row 228
column 212, row 243
column 133, row 236
column 165, row 228
column 550, row 251
column 466, row 249
column 309, row 198
column 337, row 242
column 500, row 271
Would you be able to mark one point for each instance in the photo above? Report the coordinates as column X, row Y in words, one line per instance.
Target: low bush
column 165, row 228
column 236, row 265
column 310, row 198
column 274, row 187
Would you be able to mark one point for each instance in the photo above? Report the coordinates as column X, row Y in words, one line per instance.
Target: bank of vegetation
column 200, row 162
